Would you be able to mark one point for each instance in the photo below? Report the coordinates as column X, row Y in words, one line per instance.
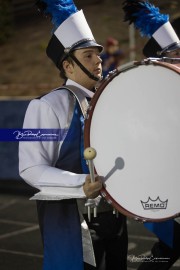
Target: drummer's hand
column 91, row 190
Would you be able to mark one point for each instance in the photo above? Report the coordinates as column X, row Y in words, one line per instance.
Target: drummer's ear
column 67, row 66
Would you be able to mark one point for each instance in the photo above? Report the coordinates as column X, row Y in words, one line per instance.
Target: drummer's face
column 90, row 59
column 174, row 54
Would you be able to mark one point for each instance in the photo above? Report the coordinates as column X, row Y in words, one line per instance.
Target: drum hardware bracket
column 111, row 73
column 103, row 194
column 148, row 61
column 115, row 211
column 170, row 60
column 87, row 112
column 109, row 201
column 163, row 59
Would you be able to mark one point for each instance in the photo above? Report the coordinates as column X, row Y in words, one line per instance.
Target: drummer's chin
column 99, row 76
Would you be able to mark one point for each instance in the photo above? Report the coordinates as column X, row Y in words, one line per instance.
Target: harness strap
column 83, row 103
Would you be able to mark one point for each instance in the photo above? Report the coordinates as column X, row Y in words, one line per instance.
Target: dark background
column 24, row 67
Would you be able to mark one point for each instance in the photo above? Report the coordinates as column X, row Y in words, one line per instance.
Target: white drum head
column 135, row 129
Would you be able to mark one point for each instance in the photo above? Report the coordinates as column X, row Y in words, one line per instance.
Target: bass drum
column 134, row 125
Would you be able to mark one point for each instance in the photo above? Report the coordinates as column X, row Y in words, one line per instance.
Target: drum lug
column 110, row 74
column 86, row 116
column 87, row 112
column 103, row 194
column 109, row 201
column 140, row 220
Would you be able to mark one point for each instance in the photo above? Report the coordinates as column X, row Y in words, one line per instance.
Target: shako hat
column 151, row 23
column 71, row 30
column 152, row 48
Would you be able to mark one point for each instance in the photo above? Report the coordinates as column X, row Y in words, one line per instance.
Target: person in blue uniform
column 57, row 168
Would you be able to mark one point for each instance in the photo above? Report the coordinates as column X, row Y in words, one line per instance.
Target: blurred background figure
column 111, row 56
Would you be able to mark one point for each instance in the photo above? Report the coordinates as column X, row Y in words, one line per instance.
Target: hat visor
column 86, row 44
column 172, row 47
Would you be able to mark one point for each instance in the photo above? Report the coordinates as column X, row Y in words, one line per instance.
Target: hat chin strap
column 89, row 74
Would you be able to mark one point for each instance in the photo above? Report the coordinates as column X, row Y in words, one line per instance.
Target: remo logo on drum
column 154, row 204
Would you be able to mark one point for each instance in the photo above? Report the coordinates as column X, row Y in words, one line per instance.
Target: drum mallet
column 89, row 155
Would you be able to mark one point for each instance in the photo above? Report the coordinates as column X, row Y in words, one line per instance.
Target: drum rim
column 173, row 67
column 87, row 125
column 117, row 206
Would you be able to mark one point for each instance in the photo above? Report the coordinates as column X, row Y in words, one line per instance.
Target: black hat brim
column 151, row 48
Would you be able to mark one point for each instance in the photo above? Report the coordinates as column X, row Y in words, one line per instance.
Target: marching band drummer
column 163, row 42
column 58, row 169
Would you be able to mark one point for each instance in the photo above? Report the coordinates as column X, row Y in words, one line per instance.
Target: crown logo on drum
column 154, row 204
